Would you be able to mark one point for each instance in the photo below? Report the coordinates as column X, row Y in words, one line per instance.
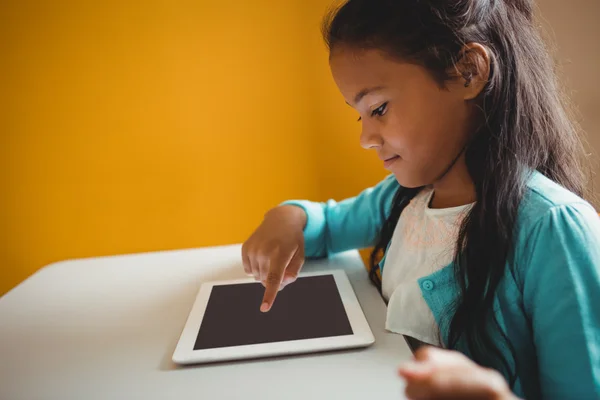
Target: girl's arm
column 350, row 224
column 561, row 286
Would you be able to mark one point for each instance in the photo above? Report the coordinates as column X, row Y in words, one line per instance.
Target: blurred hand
column 274, row 253
column 442, row 374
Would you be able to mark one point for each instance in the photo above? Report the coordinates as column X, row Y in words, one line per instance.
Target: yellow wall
column 141, row 126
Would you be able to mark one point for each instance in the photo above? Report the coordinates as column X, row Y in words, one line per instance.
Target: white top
column 423, row 242
column 106, row 328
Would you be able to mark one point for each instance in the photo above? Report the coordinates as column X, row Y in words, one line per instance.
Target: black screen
column 309, row 308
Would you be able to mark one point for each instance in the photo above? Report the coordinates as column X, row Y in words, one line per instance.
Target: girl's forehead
column 347, row 60
column 353, row 70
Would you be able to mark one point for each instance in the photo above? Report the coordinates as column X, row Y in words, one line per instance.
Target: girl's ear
column 473, row 69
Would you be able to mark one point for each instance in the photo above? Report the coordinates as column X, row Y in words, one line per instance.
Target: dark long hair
column 526, row 128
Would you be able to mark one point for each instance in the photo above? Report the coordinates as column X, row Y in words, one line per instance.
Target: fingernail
column 264, row 307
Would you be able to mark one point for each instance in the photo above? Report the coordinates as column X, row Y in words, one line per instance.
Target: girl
column 483, row 244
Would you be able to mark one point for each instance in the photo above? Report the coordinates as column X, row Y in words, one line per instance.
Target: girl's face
column 417, row 128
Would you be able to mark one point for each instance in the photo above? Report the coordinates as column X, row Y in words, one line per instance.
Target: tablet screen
column 309, row 308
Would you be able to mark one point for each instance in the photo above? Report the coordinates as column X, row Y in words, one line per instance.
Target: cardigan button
column 428, row 285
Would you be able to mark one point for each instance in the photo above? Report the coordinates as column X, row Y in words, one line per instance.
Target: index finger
column 273, row 282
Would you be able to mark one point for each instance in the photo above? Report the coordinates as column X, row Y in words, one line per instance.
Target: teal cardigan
column 548, row 303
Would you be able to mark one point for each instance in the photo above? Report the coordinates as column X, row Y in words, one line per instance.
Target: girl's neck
column 455, row 189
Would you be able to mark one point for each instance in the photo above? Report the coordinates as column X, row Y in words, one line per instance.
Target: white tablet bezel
column 361, row 337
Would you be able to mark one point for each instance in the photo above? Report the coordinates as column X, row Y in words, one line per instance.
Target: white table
column 105, row 328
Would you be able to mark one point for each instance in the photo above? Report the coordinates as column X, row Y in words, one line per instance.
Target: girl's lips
column 388, row 163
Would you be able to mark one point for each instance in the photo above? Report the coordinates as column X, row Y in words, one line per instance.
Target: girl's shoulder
column 555, row 226
column 544, row 198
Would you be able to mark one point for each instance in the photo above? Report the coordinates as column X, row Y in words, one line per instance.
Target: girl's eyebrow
column 365, row 92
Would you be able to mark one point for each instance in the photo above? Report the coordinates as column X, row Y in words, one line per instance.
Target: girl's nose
column 370, row 138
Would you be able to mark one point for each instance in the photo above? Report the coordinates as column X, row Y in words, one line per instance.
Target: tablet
column 318, row 312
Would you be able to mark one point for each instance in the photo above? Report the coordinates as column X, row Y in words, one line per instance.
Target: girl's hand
column 274, row 253
column 443, row 374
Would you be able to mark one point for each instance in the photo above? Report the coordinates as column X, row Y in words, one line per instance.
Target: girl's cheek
column 400, row 139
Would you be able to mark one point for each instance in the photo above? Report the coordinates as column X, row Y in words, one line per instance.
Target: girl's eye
column 379, row 111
